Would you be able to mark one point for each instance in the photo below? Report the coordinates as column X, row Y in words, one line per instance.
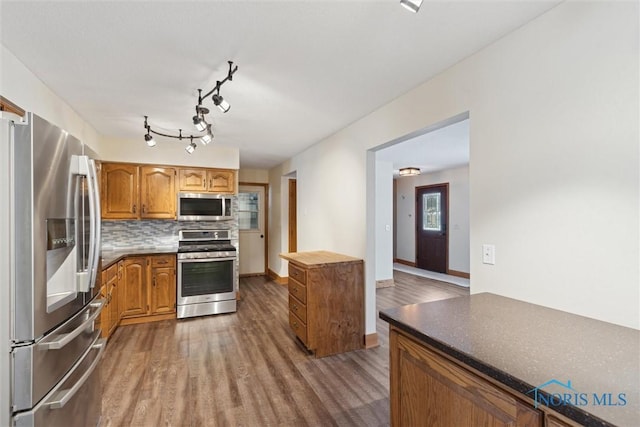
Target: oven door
column 206, row 280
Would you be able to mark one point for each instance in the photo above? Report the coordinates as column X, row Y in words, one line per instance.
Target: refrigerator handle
column 66, row 395
column 96, row 236
column 65, row 339
column 88, row 169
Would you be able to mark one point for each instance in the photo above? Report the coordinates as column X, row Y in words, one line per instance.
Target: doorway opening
column 431, row 237
column 253, row 231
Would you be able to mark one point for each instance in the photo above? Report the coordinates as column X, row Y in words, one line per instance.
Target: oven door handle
column 186, row 261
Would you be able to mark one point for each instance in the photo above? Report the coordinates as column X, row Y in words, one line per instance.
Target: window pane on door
column 248, row 211
column 431, row 214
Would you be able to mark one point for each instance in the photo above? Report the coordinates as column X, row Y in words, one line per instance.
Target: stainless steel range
column 207, row 279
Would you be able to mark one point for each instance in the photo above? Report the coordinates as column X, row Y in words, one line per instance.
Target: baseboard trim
column 459, row 274
column 146, row 319
column 384, row 283
column 279, row 280
column 252, row 275
column 371, row 340
column 401, row 261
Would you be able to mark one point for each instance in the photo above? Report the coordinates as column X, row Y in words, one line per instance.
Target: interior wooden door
column 293, row 219
column 432, row 239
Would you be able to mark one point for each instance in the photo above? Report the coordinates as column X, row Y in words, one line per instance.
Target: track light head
column 220, row 103
column 206, row 139
column 199, row 122
column 191, row 147
column 411, row 5
column 150, row 141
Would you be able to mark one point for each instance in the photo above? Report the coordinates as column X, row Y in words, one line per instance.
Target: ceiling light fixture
column 411, row 5
column 151, row 142
column 411, row 171
column 199, row 120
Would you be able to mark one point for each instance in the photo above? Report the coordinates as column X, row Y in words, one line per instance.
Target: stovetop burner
column 205, row 241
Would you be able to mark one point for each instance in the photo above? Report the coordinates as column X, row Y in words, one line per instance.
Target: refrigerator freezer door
column 38, row 367
column 75, row 401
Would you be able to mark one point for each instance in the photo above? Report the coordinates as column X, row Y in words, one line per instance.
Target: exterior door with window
column 251, row 210
column 431, row 227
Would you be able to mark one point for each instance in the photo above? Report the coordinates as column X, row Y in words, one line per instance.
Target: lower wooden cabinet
column 326, row 301
column 149, row 286
column 428, row 389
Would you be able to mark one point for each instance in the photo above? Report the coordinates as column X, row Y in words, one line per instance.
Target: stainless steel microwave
column 204, row 207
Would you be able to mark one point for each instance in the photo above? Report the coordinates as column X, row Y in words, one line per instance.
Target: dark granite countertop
column 109, row 257
column 525, row 345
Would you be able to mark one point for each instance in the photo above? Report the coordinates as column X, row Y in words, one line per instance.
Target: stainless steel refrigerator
column 54, row 234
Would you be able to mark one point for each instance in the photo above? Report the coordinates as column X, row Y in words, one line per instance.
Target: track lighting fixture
column 151, row 141
column 411, row 5
column 199, row 120
column 217, row 99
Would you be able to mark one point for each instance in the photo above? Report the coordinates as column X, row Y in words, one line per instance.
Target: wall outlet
column 489, row 254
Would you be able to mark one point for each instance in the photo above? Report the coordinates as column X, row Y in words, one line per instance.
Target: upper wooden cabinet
column 209, row 180
column 119, row 191
column 157, row 192
column 138, row 192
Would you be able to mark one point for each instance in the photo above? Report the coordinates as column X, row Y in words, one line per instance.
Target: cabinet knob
column 295, row 307
column 134, row 208
column 144, row 208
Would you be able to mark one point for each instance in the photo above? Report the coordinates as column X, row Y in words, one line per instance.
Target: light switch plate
column 489, row 254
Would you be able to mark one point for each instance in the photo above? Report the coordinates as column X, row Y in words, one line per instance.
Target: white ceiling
column 444, row 148
column 306, row 68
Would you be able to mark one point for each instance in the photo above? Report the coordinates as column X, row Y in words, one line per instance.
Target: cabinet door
column 134, row 287
column 429, row 389
column 157, row 192
column 221, row 181
column 192, row 180
column 163, row 290
column 119, row 194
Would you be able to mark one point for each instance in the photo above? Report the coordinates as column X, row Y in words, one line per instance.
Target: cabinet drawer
column 298, row 308
column 298, row 290
column 163, row 261
column 299, row 327
column 298, row 274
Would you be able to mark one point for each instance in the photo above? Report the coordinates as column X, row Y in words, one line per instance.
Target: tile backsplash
column 150, row 234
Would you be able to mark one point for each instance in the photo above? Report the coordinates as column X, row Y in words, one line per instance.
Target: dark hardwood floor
column 246, row 369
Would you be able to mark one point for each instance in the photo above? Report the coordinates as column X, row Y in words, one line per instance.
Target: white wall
column 554, row 163
column 458, row 180
column 20, row 86
column 167, row 152
column 260, row 176
column 383, row 219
